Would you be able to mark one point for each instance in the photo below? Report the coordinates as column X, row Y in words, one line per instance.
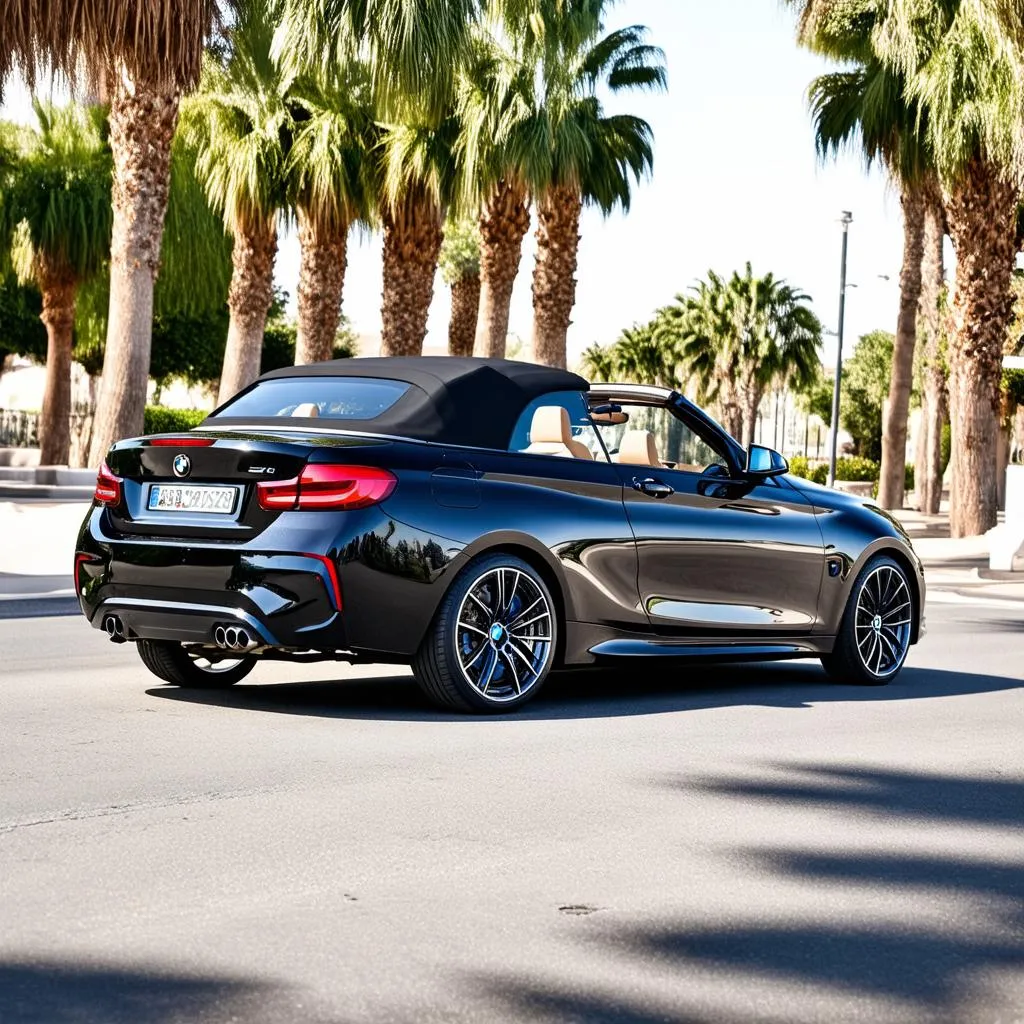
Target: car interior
column 635, row 435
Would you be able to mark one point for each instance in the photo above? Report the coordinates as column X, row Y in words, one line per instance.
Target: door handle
column 655, row 488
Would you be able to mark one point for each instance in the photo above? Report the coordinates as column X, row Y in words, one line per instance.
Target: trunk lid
column 217, row 469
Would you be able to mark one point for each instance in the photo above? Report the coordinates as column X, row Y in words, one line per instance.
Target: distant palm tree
column 868, row 106
column 460, row 267
column 740, row 337
column 240, row 124
column 55, row 222
column 330, row 187
column 570, row 153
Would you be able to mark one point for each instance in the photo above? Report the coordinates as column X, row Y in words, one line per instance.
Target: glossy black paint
column 722, row 565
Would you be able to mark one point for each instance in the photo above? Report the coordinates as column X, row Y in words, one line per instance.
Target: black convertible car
column 484, row 521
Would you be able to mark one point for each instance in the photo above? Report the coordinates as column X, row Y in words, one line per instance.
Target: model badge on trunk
column 181, row 465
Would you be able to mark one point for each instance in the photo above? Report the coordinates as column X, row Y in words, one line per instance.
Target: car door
column 716, row 554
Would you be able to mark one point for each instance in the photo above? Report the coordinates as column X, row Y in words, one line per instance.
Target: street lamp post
column 845, row 220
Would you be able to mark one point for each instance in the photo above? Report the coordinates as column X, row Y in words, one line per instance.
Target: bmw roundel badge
column 181, row 465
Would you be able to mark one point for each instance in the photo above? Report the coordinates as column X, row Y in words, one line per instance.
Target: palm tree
column 740, row 337
column 495, row 89
column 963, row 66
column 460, row 267
column 928, row 468
column 570, row 153
column 141, row 56
column 330, row 187
column 867, row 106
column 55, row 220
column 240, row 124
column 708, row 312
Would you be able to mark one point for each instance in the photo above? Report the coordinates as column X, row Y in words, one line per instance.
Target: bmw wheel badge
column 181, row 465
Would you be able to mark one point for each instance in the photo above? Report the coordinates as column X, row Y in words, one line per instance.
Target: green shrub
column 856, row 468
column 908, row 477
column 799, row 466
column 167, row 421
column 819, row 475
column 947, row 445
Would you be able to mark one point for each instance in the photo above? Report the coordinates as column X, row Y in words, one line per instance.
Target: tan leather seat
column 637, row 448
column 551, row 434
column 307, row 410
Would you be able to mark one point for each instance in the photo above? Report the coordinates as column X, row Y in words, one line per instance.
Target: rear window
column 331, row 398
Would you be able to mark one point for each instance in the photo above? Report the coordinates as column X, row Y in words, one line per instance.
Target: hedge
column 160, row 420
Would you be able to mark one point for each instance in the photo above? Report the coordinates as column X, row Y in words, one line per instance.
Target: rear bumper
column 163, row 591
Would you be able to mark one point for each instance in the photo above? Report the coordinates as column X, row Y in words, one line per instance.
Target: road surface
column 680, row 844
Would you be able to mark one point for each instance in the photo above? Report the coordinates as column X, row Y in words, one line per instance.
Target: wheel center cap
column 497, row 633
column 876, row 623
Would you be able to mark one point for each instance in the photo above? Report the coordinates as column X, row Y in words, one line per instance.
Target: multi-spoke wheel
column 192, row 666
column 493, row 640
column 877, row 626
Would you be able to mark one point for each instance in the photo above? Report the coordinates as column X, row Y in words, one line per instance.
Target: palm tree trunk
column 413, row 232
column 249, row 298
column 59, row 317
column 982, row 211
column 322, row 265
column 554, row 276
column 142, row 119
column 928, row 471
column 751, row 403
column 894, row 425
column 503, row 226
column 465, row 309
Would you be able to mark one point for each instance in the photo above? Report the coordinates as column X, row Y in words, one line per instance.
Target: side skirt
column 659, row 648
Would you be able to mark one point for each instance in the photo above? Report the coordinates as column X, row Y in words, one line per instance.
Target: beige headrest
column 550, row 426
column 637, row 448
column 308, row 410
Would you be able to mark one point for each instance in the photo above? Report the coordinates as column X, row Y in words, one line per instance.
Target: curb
column 39, row 606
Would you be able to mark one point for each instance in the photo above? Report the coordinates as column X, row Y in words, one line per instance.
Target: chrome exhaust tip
column 219, row 637
column 115, row 628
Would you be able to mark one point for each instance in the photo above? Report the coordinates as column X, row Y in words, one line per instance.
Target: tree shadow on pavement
column 960, row 958
column 70, row 992
column 646, row 688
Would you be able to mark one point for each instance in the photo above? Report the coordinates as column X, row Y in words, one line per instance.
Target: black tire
column 883, row 646
column 170, row 662
column 513, row 663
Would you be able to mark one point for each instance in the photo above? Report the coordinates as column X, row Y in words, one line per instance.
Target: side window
column 580, row 425
column 677, row 445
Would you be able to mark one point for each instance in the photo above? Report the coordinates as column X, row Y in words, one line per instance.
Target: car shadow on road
column 646, row 688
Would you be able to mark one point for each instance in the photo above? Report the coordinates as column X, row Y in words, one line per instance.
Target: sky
column 735, row 179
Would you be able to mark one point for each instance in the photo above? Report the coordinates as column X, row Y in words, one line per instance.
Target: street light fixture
column 845, row 220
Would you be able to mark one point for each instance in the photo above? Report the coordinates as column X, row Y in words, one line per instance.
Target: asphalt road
column 681, row 844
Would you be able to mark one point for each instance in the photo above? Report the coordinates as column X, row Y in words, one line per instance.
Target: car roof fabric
column 452, row 400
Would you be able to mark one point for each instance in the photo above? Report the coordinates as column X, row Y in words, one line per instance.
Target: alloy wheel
column 883, row 620
column 504, row 634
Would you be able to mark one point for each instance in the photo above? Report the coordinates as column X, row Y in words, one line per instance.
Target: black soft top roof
column 452, row 400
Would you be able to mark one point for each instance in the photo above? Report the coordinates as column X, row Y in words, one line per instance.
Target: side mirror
column 765, row 462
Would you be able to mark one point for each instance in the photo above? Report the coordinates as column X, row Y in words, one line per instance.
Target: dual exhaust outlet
column 231, row 638
column 234, row 638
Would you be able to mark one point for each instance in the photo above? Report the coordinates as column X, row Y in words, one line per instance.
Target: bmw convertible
column 484, row 521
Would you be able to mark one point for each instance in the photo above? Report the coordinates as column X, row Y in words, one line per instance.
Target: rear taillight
column 108, row 487
column 327, row 487
column 181, row 442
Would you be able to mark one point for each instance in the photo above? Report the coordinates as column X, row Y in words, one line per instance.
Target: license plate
column 192, row 498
